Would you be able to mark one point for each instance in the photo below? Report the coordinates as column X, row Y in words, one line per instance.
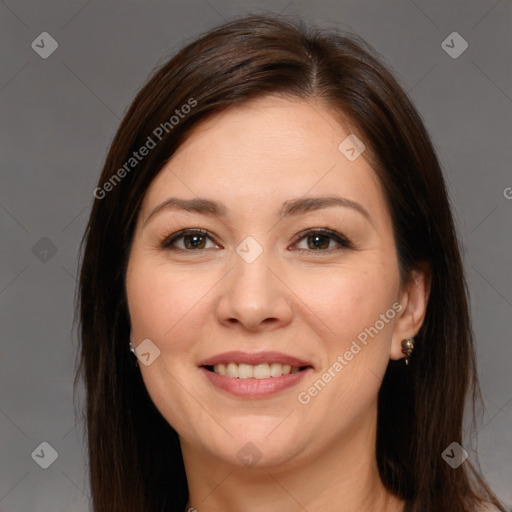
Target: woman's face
column 295, row 266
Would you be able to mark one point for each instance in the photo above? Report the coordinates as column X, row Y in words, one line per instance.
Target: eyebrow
column 291, row 207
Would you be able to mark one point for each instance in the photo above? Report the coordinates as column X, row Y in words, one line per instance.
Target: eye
column 322, row 240
column 317, row 240
column 188, row 239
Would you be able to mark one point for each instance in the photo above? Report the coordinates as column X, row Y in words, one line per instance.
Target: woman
column 273, row 306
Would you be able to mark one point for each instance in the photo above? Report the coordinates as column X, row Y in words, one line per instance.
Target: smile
column 259, row 371
column 254, row 374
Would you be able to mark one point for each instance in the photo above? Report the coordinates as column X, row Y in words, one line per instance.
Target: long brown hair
column 135, row 457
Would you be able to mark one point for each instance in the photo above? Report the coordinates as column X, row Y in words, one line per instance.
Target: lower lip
column 254, row 388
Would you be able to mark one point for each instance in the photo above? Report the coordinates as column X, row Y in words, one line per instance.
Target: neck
column 341, row 477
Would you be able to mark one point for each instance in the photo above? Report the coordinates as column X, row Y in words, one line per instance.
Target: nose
column 254, row 296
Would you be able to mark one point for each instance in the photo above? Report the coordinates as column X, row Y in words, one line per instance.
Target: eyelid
column 335, row 235
column 342, row 240
column 167, row 240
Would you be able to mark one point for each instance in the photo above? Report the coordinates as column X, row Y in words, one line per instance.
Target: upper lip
column 254, row 358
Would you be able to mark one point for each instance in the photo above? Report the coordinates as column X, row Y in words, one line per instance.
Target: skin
column 306, row 302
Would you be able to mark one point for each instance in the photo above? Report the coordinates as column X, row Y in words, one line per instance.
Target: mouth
column 259, row 371
column 254, row 375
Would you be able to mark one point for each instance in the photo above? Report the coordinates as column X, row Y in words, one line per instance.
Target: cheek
column 167, row 306
column 355, row 312
column 161, row 300
column 349, row 300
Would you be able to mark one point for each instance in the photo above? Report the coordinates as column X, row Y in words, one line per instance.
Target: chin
column 258, row 444
column 257, row 455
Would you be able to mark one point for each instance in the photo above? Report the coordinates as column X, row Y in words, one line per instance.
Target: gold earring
column 407, row 348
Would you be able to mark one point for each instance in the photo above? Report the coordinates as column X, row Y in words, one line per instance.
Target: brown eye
column 323, row 240
column 318, row 241
column 188, row 240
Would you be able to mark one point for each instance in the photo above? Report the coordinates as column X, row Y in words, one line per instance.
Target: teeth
column 232, row 370
column 276, row 369
column 259, row 371
column 245, row 371
column 220, row 369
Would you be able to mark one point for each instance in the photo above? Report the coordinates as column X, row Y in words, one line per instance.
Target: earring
column 407, row 348
column 133, row 359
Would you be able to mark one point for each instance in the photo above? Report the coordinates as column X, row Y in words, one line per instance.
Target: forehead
column 269, row 149
column 275, row 129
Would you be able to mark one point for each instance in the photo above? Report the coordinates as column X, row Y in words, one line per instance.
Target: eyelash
column 343, row 241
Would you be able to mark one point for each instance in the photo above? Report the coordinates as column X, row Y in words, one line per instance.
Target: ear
column 413, row 299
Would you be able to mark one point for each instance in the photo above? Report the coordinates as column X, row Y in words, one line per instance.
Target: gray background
column 59, row 115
